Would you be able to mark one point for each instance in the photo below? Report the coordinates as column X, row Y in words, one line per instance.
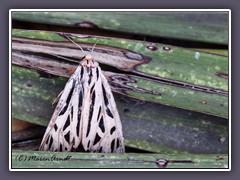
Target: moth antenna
column 94, row 46
column 61, row 57
column 76, row 45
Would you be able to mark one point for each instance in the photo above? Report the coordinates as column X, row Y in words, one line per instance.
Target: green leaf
column 69, row 160
column 173, row 77
column 147, row 126
column 198, row 26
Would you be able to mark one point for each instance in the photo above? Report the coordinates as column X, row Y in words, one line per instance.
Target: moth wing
column 60, row 134
column 104, row 129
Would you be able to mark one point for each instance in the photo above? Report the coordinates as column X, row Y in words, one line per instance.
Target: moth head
column 88, row 57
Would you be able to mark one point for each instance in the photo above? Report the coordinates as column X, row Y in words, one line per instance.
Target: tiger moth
column 86, row 117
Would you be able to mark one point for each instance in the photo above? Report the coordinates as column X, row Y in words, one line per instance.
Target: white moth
column 86, row 116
